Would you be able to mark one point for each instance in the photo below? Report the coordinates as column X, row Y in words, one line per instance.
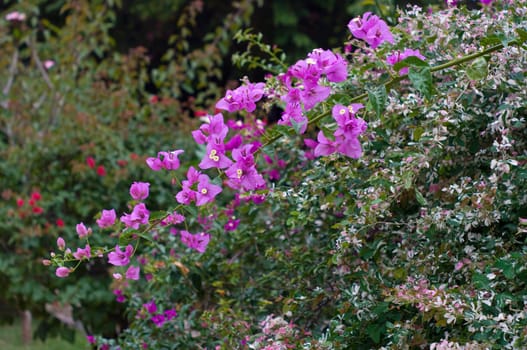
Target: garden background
column 418, row 243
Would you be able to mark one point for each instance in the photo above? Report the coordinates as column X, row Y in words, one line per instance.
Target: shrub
column 401, row 226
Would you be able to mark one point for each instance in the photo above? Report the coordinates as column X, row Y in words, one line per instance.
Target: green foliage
column 11, row 339
column 419, row 242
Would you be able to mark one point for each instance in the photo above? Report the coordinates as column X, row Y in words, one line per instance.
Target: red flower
column 37, row 210
column 19, row 202
column 36, row 196
column 31, row 202
column 154, row 99
column 200, row 113
column 134, row 156
column 91, row 162
column 59, row 223
column 122, row 163
column 101, row 171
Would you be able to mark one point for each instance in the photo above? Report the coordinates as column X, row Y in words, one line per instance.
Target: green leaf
column 159, row 214
column 421, row 79
column 491, row 40
column 420, row 198
column 418, row 131
column 507, row 267
column 522, row 33
column 478, row 70
column 377, row 98
column 480, row 281
column 410, row 61
column 297, row 126
column 283, row 130
column 374, row 331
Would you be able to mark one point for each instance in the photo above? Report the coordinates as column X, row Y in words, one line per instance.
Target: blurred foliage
column 76, row 125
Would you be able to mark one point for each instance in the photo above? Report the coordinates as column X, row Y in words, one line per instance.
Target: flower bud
column 61, row 244
column 62, row 272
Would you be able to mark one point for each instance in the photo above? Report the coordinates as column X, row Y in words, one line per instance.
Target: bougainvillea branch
column 394, row 81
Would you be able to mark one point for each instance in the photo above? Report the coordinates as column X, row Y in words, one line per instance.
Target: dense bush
column 401, row 226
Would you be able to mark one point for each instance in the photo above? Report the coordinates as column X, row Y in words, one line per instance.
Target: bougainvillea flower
column 244, row 178
column 138, row 216
column 314, row 94
column 293, row 114
column 62, row 272
column 198, row 241
column 348, row 125
column 371, row 29
column 107, row 218
column 82, row 231
column 170, row 314
column 170, row 160
column 132, row 273
column 61, row 244
column 306, row 70
column 215, row 158
column 159, row 320
column 232, row 224
column 206, row 191
column 119, row 257
column 330, row 64
column 186, row 195
column 139, row 190
column 399, row 56
column 350, row 147
column 325, row 147
column 243, row 97
column 150, row 307
column 83, row 253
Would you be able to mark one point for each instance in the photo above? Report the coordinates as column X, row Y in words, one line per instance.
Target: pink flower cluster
column 164, row 160
column 158, row 318
column 139, row 190
column 244, row 97
column 197, row 188
column 138, row 216
column 15, row 16
column 418, row 292
column 346, row 141
column 240, row 170
column 371, row 29
column 399, row 56
column 119, row 257
column 107, row 218
column 198, row 241
column 82, row 230
column 304, row 86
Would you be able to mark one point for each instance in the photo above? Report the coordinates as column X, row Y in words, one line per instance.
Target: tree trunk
column 26, row 327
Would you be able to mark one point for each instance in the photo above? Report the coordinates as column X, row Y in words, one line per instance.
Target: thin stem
column 467, row 58
column 39, row 64
column 12, row 73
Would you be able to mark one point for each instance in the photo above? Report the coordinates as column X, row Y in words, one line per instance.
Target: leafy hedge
column 409, row 233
